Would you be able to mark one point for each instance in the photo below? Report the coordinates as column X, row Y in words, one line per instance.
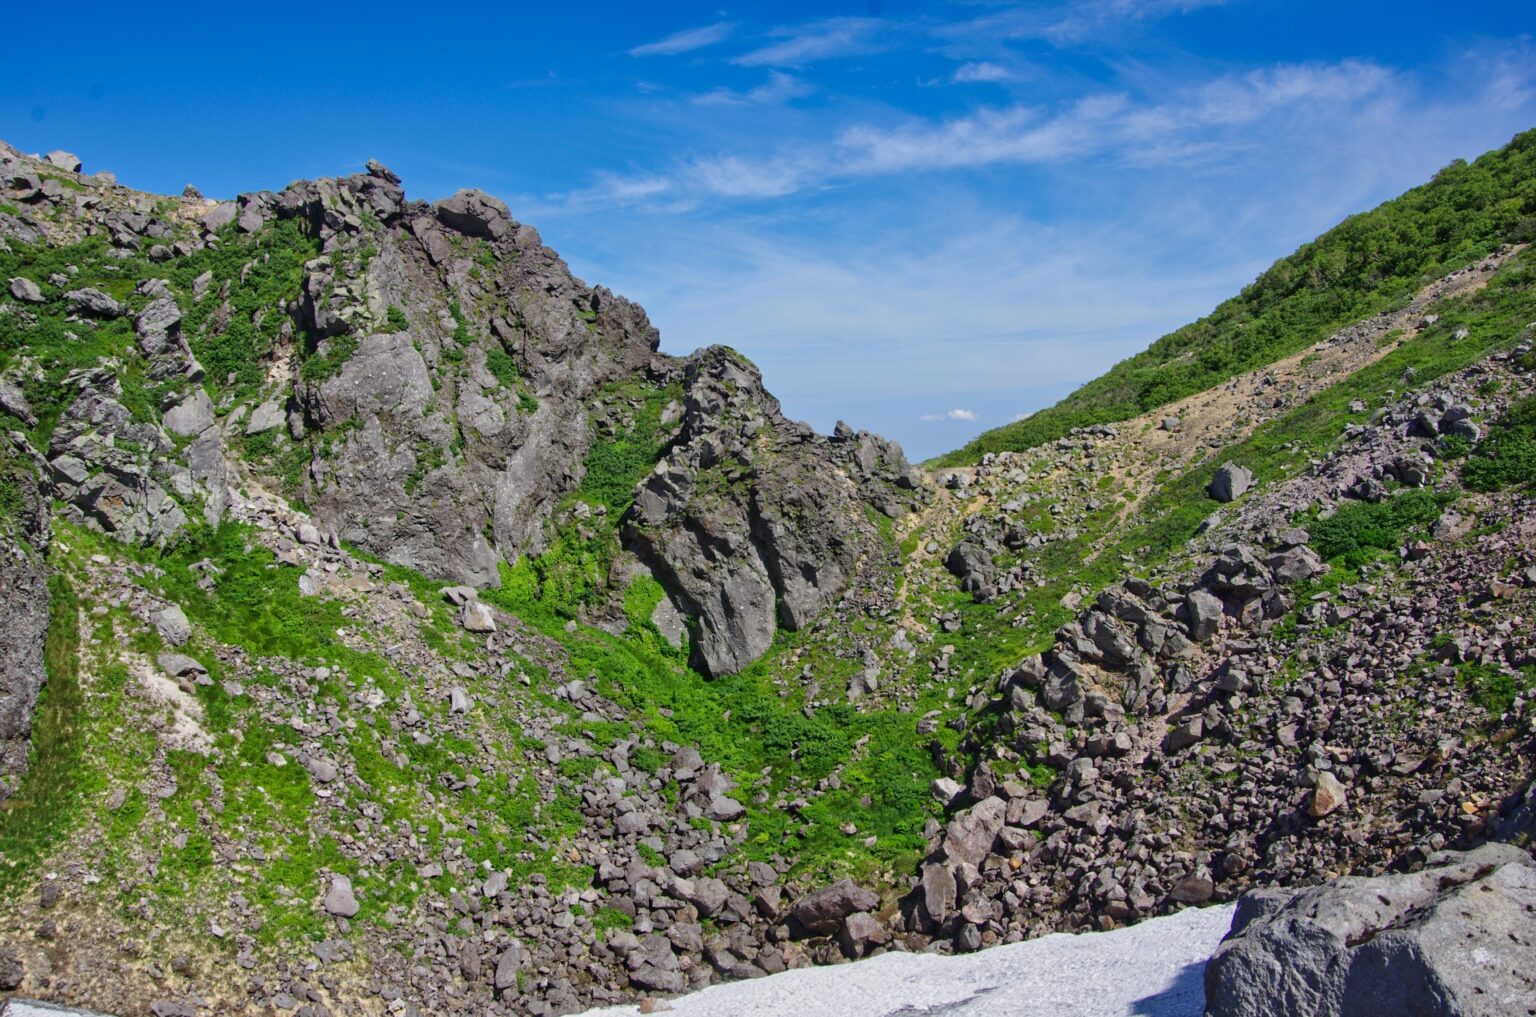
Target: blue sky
column 923, row 218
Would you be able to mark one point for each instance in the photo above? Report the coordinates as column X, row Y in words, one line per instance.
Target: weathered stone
column 1203, row 610
column 339, row 899
column 1231, row 482
column 861, row 931
column 26, row 290
column 822, row 912
column 1456, row 938
column 508, row 964
column 477, row 616
column 970, row 835
column 66, row 161
column 172, row 624
column 1328, row 795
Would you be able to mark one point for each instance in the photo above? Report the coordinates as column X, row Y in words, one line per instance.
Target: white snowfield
column 1154, row 969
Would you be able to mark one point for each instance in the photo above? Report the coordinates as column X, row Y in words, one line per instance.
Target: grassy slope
column 1364, row 265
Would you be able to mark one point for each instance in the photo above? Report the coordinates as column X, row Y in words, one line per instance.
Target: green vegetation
column 1496, row 690
column 1368, row 263
column 396, row 319
column 501, row 366
column 52, row 793
column 1495, row 319
column 1358, row 530
column 1507, row 458
column 266, row 270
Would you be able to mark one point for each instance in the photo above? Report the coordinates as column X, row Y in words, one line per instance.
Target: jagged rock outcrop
column 24, row 535
column 459, row 431
column 431, row 389
column 752, row 521
column 1456, row 938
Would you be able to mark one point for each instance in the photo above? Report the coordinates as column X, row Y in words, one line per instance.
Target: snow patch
column 1154, row 969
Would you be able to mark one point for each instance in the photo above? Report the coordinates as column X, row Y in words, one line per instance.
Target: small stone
column 1327, row 796
column 340, row 900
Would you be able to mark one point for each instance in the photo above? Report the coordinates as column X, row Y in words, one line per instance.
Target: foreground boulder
column 1456, row 938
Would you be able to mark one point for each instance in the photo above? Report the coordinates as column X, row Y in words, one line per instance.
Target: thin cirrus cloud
column 982, row 71
column 965, row 416
column 1185, row 126
column 686, row 41
column 819, row 40
column 1065, row 24
column 779, row 88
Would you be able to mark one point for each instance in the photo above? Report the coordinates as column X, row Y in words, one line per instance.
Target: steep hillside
column 1366, row 264
column 417, row 639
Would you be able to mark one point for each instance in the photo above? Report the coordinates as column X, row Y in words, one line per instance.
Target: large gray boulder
column 1230, row 482
column 1457, row 938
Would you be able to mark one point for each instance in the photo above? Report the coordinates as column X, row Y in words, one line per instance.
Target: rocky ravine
column 392, row 543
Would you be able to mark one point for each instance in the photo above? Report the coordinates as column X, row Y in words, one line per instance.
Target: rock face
column 24, row 606
column 1456, row 938
column 752, row 521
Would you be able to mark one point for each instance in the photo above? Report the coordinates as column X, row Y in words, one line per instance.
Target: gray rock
column 1187, row 733
column 12, row 970
column 94, row 303
column 938, row 891
column 66, row 161
column 1456, row 938
column 178, row 665
column 190, row 417
column 860, row 933
column 220, row 216
column 1230, row 482
column 26, row 290
column 969, row 837
column 477, row 616
column 822, row 913
column 14, row 402
column 24, row 606
column 269, row 416
column 476, row 214
column 946, row 790
column 339, row 899
column 508, row 964
column 324, row 771
column 1203, row 611
column 1328, row 795
column 172, row 624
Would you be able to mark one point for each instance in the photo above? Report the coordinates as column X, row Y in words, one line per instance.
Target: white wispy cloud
column 686, row 41
column 1068, row 23
column 961, row 415
column 779, row 88
column 818, row 40
column 982, row 71
column 1186, row 125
